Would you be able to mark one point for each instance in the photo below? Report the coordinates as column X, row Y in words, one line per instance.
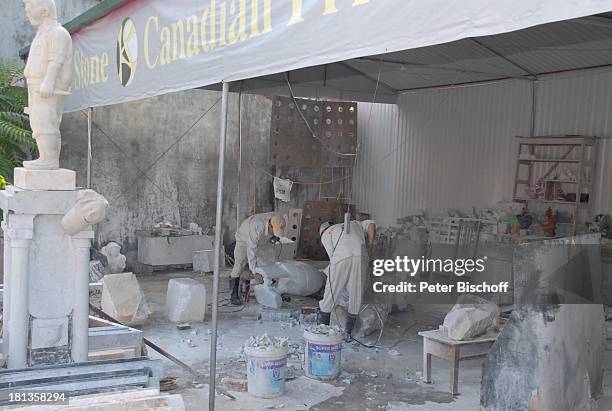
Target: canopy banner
column 151, row 47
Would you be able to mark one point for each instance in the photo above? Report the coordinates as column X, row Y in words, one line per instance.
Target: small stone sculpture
column 116, row 260
column 48, row 78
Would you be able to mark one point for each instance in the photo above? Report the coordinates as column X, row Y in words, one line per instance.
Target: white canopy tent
column 343, row 49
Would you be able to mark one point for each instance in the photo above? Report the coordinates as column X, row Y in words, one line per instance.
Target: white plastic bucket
column 266, row 371
column 322, row 355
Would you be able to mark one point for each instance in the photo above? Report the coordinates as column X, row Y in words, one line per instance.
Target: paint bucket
column 322, row 356
column 266, row 371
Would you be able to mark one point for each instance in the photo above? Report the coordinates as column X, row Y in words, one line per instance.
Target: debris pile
column 266, row 342
column 322, row 329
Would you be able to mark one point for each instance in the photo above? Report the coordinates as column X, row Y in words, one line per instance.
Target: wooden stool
column 434, row 343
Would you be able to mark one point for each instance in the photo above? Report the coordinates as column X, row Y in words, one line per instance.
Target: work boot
column 49, row 146
column 351, row 320
column 323, row 317
column 234, row 283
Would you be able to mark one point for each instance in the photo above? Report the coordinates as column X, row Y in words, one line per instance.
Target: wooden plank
column 112, row 354
column 437, row 336
column 438, row 349
column 473, row 356
column 454, row 371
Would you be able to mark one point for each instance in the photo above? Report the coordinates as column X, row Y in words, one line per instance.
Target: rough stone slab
column 52, row 180
column 185, row 300
column 470, row 317
column 123, row 299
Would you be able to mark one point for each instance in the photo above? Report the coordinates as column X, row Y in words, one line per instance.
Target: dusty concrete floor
column 372, row 379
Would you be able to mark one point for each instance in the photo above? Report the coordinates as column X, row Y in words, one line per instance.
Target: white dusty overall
column 252, row 232
column 348, row 264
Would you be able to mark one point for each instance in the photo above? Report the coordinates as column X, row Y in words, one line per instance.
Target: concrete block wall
column 147, row 176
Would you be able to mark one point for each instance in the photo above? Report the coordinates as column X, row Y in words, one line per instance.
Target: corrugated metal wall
column 455, row 148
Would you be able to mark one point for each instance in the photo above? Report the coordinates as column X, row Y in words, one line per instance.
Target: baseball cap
column 324, row 227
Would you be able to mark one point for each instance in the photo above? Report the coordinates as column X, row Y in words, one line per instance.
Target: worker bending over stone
column 258, row 229
column 348, row 264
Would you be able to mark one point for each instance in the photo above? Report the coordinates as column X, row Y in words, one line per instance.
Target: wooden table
column 435, row 343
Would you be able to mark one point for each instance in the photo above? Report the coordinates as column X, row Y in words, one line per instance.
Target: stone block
column 185, row 300
column 203, row 261
column 48, row 333
column 123, row 299
column 53, row 180
column 170, row 250
column 470, row 317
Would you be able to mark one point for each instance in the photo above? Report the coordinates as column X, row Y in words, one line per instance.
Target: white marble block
column 123, row 299
column 203, row 261
column 168, row 250
column 185, row 300
column 52, row 180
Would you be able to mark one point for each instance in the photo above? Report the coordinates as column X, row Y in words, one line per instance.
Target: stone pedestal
column 54, row 180
column 46, row 302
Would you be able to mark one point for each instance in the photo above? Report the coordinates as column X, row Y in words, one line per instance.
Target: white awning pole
column 215, row 301
column 89, row 121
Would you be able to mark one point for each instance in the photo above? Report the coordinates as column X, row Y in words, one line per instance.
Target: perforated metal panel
column 314, row 214
column 293, row 224
column 291, row 142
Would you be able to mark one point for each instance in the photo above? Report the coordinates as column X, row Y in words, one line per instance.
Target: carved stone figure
column 48, row 77
column 116, row 260
column 90, row 208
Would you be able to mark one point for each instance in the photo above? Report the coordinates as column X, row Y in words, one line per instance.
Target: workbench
column 441, row 346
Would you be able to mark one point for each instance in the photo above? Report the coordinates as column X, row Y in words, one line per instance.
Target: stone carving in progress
column 90, row 208
column 48, row 76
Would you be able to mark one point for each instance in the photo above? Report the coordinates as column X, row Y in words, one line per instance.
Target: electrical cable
column 319, row 183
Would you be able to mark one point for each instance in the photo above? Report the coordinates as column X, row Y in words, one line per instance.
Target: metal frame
column 215, row 302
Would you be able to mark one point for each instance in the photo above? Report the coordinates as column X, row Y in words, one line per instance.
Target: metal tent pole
column 239, row 156
column 215, row 301
column 89, row 121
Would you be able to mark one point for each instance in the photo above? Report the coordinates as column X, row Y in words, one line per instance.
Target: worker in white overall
column 256, row 230
column 348, row 265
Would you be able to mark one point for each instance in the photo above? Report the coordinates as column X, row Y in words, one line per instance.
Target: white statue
column 116, row 260
column 90, row 208
column 48, row 77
